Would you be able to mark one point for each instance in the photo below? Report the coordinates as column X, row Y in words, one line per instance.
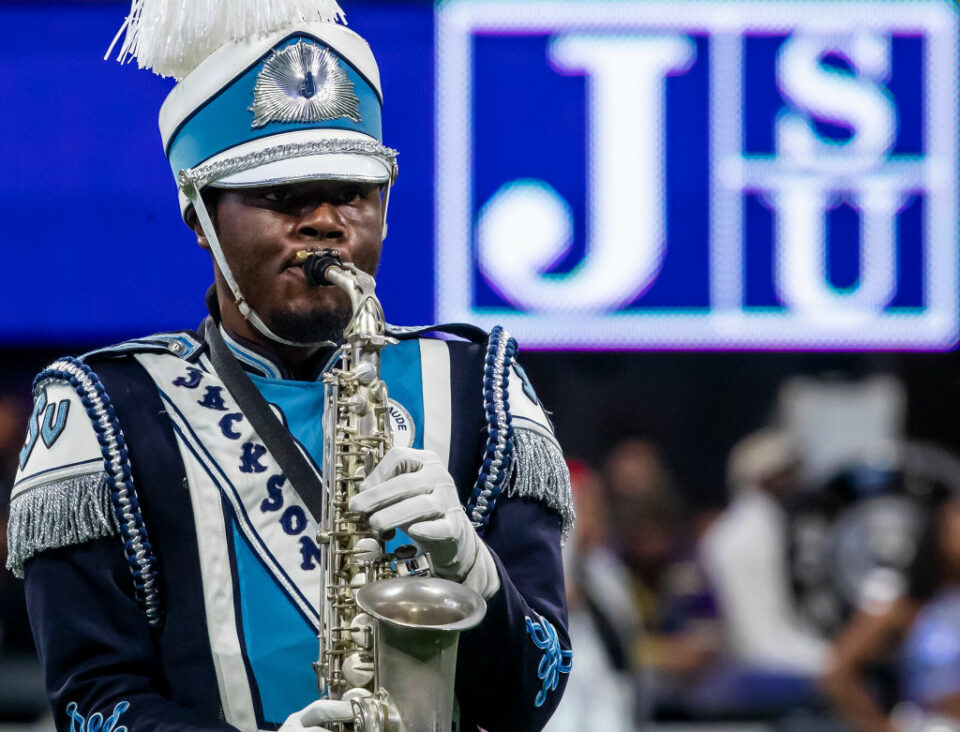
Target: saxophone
column 388, row 635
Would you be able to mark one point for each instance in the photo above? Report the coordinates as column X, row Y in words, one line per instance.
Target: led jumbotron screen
column 606, row 175
column 700, row 174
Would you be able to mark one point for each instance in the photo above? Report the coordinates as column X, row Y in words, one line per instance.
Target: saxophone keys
column 365, row 373
column 357, row 583
column 367, row 550
column 357, row 404
column 357, row 694
column 361, row 630
column 358, row 669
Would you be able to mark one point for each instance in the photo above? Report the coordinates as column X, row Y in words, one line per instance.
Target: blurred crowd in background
column 824, row 594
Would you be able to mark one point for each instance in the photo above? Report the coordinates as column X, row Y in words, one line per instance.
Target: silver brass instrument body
column 388, row 636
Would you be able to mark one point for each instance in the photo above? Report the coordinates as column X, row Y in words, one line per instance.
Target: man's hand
column 411, row 490
column 324, row 710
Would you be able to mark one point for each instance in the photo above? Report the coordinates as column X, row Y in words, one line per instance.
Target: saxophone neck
column 367, row 325
column 358, row 285
column 325, row 267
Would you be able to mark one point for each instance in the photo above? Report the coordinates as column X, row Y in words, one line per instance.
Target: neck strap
column 277, row 438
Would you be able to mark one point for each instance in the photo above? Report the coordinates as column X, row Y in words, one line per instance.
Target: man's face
column 262, row 229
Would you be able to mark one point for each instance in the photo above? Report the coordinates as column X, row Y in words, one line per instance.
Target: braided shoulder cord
column 116, row 458
column 498, row 454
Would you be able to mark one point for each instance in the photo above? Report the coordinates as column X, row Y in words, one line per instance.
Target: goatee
column 310, row 327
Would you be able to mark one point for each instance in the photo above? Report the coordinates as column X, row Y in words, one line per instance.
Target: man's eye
column 350, row 195
column 277, row 195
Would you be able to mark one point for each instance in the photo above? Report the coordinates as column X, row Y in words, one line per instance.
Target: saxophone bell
column 417, row 623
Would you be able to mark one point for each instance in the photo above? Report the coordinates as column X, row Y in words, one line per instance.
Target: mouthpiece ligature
column 316, row 262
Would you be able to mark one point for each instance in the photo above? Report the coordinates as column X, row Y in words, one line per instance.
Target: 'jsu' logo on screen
column 700, row 174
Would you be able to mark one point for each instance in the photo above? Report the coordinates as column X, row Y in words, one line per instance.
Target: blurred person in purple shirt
column 921, row 629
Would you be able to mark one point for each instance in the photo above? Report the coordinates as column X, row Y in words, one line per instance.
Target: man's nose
column 322, row 221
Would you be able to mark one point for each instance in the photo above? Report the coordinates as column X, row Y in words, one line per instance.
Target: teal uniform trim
column 263, row 366
column 400, row 368
column 182, row 345
column 279, row 644
column 226, row 120
column 302, row 404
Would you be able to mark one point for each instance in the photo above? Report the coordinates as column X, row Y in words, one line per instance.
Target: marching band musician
column 171, row 566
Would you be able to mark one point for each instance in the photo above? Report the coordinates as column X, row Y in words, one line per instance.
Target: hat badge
column 303, row 83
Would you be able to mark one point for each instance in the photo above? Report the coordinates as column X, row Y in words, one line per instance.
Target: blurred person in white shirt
column 744, row 552
column 603, row 620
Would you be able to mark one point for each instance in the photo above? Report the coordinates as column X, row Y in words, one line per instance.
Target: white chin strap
column 250, row 315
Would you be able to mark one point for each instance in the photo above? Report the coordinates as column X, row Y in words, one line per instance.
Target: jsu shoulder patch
column 60, row 442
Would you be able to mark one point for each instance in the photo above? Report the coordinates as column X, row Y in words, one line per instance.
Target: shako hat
column 269, row 92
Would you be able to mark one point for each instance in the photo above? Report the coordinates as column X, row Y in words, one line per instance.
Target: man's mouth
column 294, row 266
column 297, row 261
column 293, row 262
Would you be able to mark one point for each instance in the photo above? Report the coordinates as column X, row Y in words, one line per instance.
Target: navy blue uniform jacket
column 98, row 649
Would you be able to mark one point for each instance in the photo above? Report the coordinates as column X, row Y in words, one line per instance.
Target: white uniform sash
column 256, row 539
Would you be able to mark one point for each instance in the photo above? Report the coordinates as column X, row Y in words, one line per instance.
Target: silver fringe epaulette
column 538, row 471
column 59, row 514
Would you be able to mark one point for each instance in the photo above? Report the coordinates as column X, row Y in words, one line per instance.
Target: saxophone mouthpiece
column 316, row 262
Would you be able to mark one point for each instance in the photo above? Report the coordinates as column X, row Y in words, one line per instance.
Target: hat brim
column 328, row 166
column 299, row 156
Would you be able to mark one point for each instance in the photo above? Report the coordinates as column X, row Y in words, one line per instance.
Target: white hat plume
column 173, row 37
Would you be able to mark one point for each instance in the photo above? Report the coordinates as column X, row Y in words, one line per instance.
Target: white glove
column 324, row 710
column 411, row 490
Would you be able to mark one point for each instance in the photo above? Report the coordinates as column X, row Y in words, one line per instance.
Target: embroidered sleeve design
column 555, row 660
column 498, row 455
column 96, row 722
